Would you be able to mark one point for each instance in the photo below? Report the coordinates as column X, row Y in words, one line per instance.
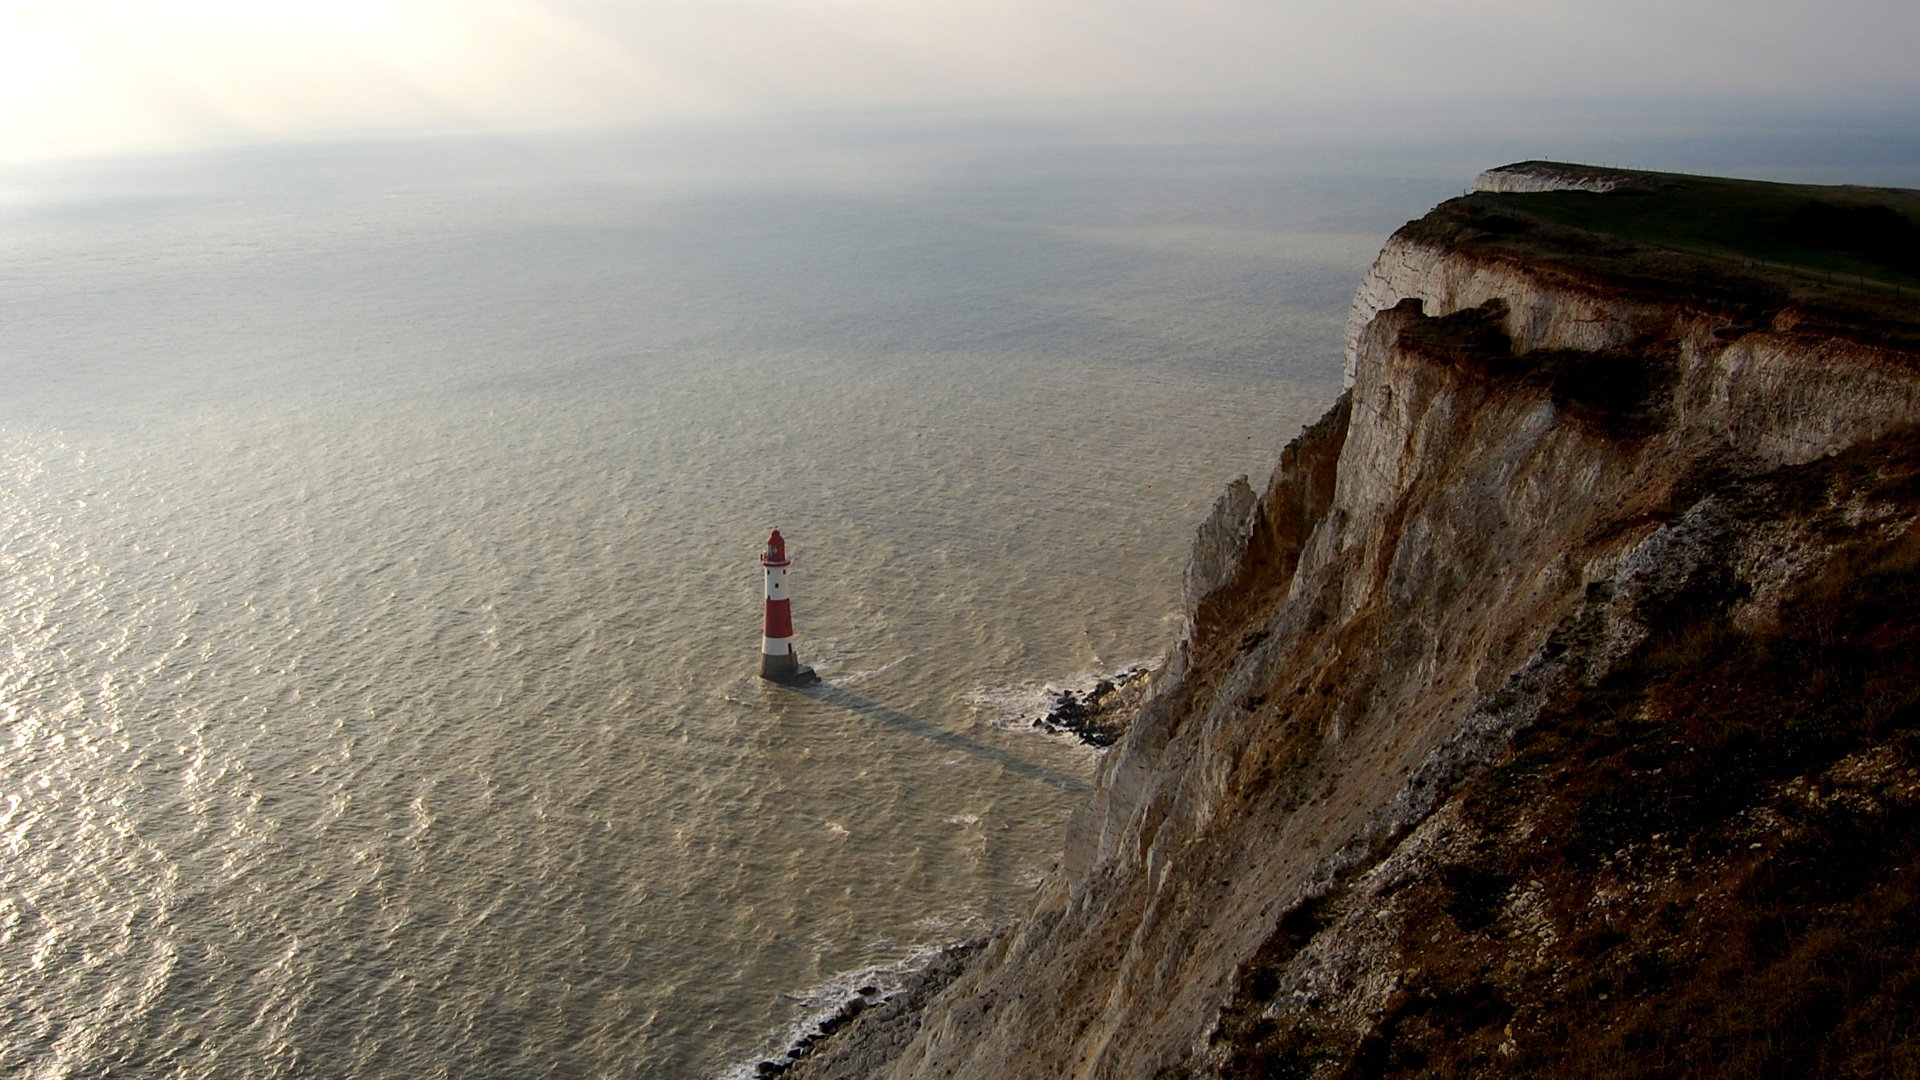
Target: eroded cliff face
column 1532, row 470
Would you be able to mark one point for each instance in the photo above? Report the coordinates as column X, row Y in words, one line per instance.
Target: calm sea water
column 378, row 594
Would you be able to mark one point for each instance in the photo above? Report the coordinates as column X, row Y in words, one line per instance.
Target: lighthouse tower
column 777, row 660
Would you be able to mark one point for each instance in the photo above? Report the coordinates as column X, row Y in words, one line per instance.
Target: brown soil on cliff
column 1705, row 865
column 1622, row 392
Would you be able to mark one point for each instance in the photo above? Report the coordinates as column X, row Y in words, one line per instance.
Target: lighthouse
column 777, row 660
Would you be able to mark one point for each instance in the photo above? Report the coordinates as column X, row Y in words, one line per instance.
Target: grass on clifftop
column 1849, row 231
column 1848, row 257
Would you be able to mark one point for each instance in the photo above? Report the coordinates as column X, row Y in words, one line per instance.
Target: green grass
column 1844, row 260
column 1739, row 219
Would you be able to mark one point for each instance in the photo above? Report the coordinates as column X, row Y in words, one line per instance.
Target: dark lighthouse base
column 786, row 669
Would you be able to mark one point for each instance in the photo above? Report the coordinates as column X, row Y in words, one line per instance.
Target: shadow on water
column 873, row 710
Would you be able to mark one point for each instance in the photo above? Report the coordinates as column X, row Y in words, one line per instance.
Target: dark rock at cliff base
column 1099, row 716
column 866, row 1031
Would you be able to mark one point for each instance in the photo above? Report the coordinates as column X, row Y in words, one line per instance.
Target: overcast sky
column 87, row 76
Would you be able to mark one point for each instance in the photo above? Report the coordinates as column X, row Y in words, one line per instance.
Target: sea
column 379, row 597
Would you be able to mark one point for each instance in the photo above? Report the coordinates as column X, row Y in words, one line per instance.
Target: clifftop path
column 1551, row 711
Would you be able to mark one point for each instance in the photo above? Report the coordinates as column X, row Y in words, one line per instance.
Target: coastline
column 863, row 1025
column 858, row 1019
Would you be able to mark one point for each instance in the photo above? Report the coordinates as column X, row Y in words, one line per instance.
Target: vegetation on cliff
column 1847, row 257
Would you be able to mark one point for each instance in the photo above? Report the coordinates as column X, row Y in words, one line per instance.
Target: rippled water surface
column 378, row 595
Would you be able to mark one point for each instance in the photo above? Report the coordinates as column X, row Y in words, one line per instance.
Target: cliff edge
column 1553, row 708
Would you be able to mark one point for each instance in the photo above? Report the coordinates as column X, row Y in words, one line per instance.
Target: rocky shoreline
column 1099, row 716
column 874, row 1024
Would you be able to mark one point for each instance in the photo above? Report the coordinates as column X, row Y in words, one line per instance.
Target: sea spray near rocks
column 886, row 1002
column 1091, row 709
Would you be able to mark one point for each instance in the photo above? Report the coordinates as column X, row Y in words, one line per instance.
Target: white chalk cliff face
column 1531, row 176
column 1429, row 564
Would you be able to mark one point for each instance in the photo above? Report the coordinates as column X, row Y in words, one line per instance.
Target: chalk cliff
column 1512, row 712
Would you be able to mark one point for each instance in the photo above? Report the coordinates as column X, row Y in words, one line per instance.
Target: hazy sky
column 94, row 75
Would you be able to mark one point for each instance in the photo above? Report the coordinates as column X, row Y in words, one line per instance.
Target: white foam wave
column 816, row 1004
column 853, row 678
column 1016, row 707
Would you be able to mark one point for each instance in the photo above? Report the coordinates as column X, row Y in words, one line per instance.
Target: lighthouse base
column 786, row 669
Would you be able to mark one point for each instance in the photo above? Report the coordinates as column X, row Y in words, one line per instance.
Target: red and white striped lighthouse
column 777, row 660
